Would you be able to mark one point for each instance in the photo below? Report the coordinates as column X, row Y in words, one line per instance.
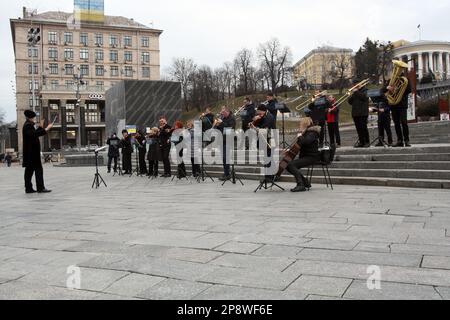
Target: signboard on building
column 96, row 96
column 131, row 129
column 411, row 107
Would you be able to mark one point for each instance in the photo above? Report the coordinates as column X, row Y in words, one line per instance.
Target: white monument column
column 448, row 65
column 410, row 62
column 420, row 59
column 430, row 64
column 440, row 65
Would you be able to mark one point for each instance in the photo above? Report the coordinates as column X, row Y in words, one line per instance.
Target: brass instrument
column 303, row 105
column 350, row 91
column 398, row 83
column 238, row 112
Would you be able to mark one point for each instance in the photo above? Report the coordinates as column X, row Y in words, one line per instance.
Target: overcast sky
column 212, row 31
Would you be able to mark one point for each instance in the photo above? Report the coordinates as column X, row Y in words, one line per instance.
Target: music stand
column 119, row 167
column 377, row 98
column 283, row 109
column 137, row 170
column 203, row 176
column 98, row 180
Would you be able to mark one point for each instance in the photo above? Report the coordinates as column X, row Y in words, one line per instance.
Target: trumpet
column 239, row 110
column 304, row 104
column 350, row 91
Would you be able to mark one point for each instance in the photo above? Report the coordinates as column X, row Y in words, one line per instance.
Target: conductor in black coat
column 32, row 152
column 127, row 151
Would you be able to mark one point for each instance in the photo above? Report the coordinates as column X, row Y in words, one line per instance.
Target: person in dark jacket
column 154, row 154
column 333, row 122
column 318, row 111
column 141, row 144
column 181, row 169
column 196, row 168
column 384, row 119
column 165, row 132
column 308, row 140
column 113, row 151
column 360, row 113
column 207, row 119
column 272, row 106
column 400, row 117
column 32, row 152
column 127, row 151
column 8, row 160
column 247, row 114
column 227, row 121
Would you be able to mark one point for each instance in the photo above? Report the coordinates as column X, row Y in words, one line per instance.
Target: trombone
column 304, row 104
column 350, row 91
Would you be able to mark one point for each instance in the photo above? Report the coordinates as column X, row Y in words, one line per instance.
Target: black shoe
column 306, row 183
column 359, row 145
column 379, row 144
column 299, row 188
column 367, row 145
column 407, row 144
column 225, row 178
column 30, row 191
column 44, row 191
column 399, row 144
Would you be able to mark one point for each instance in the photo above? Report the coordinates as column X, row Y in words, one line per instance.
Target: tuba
column 398, row 82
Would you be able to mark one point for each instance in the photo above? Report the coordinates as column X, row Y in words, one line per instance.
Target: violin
column 256, row 122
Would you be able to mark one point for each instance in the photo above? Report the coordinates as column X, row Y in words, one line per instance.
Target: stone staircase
column 422, row 166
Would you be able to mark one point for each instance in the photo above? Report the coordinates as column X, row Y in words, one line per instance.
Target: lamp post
column 34, row 37
column 79, row 82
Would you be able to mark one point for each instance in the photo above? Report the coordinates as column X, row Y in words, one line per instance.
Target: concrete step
column 393, row 165
column 429, row 157
column 416, row 149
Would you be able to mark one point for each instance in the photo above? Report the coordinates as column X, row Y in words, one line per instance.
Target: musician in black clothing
column 359, row 101
column 196, row 168
column 113, row 151
column 400, row 117
column 272, row 107
column 227, row 121
column 247, row 114
column 127, row 151
column 384, row 119
column 318, row 111
column 165, row 132
column 207, row 119
column 308, row 140
column 154, row 153
column 141, row 144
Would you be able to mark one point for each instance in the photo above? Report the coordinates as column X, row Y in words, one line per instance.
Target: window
column 84, row 54
column 70, row 84
column 36, row 101
column 69, row 69
column 68, row 54
column 70, row 113
column 113, row 41
column 84, row 39
column 54, row 84
column 32, row 52
column 99, row 71
column 54, row 111
column 68, row 38
column 53, row 68
column 52, row 53
column 99, row 39
column 99, row 55
column 53, row 37
column 146, row 72
column 92, row 114
column 36, row 85
column 114, row 56
column 128, row 56
column 84, row 70
column 100, row 85
column 145, row 41
column 114, row 71
column 145, row 57
column 128, row 41
column 32, row 69
column 128, row 71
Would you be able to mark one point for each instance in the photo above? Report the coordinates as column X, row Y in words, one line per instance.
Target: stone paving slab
column 186, row 240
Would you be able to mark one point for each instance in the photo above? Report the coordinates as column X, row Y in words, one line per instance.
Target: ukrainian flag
column 90, row 10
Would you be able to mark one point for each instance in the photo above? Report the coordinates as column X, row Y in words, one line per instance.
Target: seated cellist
column 308, row 139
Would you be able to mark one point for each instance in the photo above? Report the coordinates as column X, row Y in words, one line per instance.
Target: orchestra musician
column 113, row 151
column 181, row 171
column 227, row 121
column 308, row 139
column 317, row 111
column 400, row 117
column 127, row 151
column 154, row 153
column 196, row 168
column 247, row 114
column 272, row 107
column 207, row 119
column 165, row 132
column 141, row 144
column 360, row 113
column 384, row 119
column 333, row 122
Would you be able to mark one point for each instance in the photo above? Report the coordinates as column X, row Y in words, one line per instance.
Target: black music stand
column 376, row 96
column 204, row 175
column 119, row 171
column 98, row 180
column 137, row 170
column 283, row 109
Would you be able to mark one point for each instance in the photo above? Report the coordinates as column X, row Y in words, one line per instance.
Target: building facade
column 73, row 65
column 428, row 57
column 322, row 65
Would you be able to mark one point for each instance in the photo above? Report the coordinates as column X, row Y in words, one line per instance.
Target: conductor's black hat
column 29, row 114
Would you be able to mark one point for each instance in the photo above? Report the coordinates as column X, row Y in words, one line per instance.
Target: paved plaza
column 143, row 239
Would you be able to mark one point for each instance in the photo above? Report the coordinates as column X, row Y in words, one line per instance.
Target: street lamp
column 34, row 37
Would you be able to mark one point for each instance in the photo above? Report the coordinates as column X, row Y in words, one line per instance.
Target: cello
column 289, row 155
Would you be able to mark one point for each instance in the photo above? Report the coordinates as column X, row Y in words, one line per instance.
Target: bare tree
column 340, row 63
column 274, row 60
column 243, row 61
column 182, row 70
